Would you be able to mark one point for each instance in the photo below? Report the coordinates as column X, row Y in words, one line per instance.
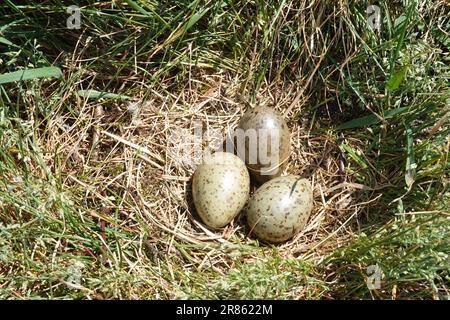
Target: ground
column 95, row 198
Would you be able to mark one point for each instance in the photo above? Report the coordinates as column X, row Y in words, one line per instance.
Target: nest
column 145, row 151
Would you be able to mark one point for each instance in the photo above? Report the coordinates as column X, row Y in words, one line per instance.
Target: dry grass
column 123, row 191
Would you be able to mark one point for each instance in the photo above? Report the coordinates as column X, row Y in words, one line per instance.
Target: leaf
column 141, row 10
column 370, row 120
column 194, row 18
column 5, row 41
column 397, row 78
column 359, row 122
column 46, row 72
column 399, row 23
column 138, row 8
column 354, row 155
column 93, row 94
column 400, row 33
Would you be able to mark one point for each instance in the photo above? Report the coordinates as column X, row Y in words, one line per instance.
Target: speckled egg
column 280, row 208
column 266, row 145
column 220, row 188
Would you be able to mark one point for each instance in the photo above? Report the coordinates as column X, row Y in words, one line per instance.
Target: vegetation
column 95, row 203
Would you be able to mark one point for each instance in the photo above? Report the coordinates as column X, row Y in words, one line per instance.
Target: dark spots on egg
column 280, row 222
column 258, row 119
column 216, row 204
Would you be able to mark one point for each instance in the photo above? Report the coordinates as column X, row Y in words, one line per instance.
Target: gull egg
column 262, row 138
column 220, row 188
column 280, row 208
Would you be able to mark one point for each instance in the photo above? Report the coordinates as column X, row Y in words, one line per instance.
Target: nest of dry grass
column 129, row 148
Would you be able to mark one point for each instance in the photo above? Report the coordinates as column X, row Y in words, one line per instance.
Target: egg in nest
column 220, row 188
column 280, row 208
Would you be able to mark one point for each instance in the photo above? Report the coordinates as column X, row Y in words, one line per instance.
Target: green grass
column 85, row 215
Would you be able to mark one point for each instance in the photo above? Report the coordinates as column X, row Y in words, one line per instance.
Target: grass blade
column 441, row 37
column 138, row 8
column 94, row 94
column 397, row 78
column 141, row 10
column 46, row 72
column 370, row 120
column 5, row 41
column 194, row 19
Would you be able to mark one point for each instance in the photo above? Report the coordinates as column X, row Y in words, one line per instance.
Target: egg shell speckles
column 280, row 208
column 264, row 119
column 220, row 188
